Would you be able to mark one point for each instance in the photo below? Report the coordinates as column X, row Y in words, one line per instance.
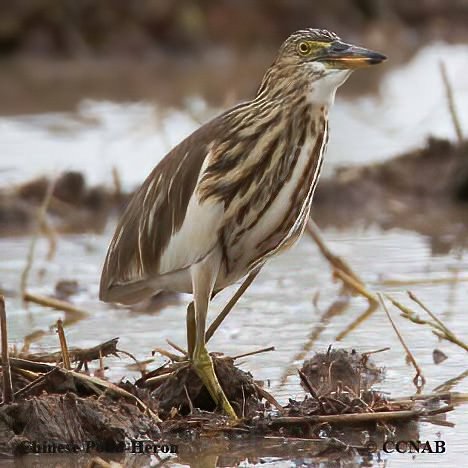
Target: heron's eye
column 304, row 48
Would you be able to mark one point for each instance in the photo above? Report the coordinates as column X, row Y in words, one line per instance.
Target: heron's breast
column 281, row 224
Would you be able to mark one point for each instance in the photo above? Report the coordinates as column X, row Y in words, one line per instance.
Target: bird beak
column 347, row 56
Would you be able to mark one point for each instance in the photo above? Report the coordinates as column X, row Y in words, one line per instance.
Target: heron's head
column 319, row 58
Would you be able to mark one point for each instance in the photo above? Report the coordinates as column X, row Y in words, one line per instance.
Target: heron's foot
column 203, row 365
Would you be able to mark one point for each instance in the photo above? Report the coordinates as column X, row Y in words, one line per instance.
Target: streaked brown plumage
column 236, row 191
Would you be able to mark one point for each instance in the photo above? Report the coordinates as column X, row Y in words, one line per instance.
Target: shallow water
column 279, row 307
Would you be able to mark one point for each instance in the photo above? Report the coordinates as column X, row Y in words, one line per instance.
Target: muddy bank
column 50, row 404
column 73, row 207
column 424, row 191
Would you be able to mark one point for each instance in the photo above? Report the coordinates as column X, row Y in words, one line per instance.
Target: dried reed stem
column 441, row 329
column 419, row 375
column 41, row 214
column 251, row 353
column 6, row 370
column 55, row 304
column 438, row 327
column 176, row 347
column 63, row 345
column 311, row 389
column 451, row 101
column 268, row 397
column 348, row 418
column 232, row 302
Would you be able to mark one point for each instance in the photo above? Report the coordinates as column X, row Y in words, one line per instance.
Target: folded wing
column 164, row 227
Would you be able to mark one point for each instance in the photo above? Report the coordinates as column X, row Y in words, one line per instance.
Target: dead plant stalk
column 41, row 214
column 419, row 379
column 6, row 370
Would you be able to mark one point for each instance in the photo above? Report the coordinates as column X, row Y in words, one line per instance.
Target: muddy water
column 282, row 307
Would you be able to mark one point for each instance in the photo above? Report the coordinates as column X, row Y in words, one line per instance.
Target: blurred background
column 94, row 94
column 54, row 53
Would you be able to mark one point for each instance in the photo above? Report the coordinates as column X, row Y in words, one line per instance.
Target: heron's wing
column 156, row 232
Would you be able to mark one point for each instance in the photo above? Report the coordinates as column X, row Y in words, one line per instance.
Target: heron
column 234, row 193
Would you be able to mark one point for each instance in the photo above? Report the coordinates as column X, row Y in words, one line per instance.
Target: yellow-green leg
column 203, row 280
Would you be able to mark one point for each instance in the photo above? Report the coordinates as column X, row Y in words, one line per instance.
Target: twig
column 417, row 281
column 6, row 370
column 157, row 379
column 32, row 338
column 232, row 302
column 251, row 353
column 177, row 347
column 63, row 345
column 269, row 397
column 444, row 409
column 51, row 235
column 169, row 355
column 452, row 398
column 55, row 304
column 367, row 406
column 348, row 418
column 139, row 365
column 438, row 324
column 188, row 399
column 419, row 374
column 449, row 384
column 41, row 213
column 117, row 183
column 381, row 350
column 38, row 382
column 451, row 101
column 439, row 328
column 311, row 389
column 355, row 285
column 79, row 355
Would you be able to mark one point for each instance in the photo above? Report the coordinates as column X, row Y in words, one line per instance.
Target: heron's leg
column 232, row 302
column 203, row 279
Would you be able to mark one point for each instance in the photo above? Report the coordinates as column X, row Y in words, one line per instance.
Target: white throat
column 322, row 91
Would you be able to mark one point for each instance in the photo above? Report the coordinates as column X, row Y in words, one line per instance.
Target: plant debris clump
column 338, row 367
column 170, row 404
column 183, row 390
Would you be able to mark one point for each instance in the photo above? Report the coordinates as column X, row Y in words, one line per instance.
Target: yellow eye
column 304, row 48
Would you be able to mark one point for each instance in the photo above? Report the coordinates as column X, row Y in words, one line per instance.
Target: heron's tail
column 127, row 293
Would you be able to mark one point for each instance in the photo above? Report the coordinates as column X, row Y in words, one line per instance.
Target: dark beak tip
column 375, row 58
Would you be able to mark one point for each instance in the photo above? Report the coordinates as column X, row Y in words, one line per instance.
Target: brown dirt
column 69, row 409
column 69, row 419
